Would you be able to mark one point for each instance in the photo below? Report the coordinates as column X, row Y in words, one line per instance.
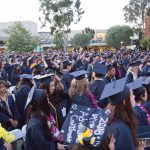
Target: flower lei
column 6, row 136
column 147, row 113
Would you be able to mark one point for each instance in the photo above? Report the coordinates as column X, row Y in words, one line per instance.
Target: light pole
column 131, row 38
column 121, row 43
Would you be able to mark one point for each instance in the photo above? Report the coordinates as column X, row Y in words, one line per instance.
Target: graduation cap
column 143, row 132
column 79, row 75
column 116, row 91
column 26, row 76
column 136, row 84
column 99, row 68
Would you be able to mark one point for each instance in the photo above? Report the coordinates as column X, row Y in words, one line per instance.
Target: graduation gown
column 36, row 138
column 130, row 78
column 97, row 88
column 122, row 135
column 21, row 95
column 2, row 147
column 67, row 78
column 5, row 116
column 82, row 100
column 141, row 116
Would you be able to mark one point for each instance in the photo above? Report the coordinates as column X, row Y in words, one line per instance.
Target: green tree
column 119, row 35
column 145, row 42
column 58, row 40
column 90, row 31
column 20, row 39
column 135, row 12
column 60, row 14
column 81, row 40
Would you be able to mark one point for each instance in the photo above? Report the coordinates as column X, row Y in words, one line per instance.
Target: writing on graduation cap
column 81, row 116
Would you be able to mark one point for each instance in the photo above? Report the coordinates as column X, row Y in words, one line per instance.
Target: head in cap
column 99, row 70
column 111, row 71
column 66, row 65
column 79, row 84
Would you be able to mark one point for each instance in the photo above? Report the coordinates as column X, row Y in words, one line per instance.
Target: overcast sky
column 99, row 14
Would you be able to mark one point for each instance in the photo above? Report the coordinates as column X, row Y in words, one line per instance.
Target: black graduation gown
column 82, row 100
column 122, row 135
column 141, row 116
column 97, row 88
column 130, row 78
column 67, row 78
column 107, row 80
column 61, row 105
column 5, row 116
column 21, row 95
column 2, row 147
column 36, row 138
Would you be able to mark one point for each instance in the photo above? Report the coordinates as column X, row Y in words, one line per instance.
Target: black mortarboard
column 136, row 84
column 79, row 75
column 43, row 79
column 116, row 91
column 143, row 132
column 26, row 76
column 99, row 68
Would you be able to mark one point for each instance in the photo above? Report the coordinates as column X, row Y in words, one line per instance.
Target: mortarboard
column 99, row 68
column 136, row 84
column 79, row 75
column 116, row 91
column 143, row 132
column 26, row 76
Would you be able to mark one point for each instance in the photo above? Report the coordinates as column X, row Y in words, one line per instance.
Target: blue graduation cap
column 143, row 132
column 79, row 75
column 116, row 91
column 26, row 76
column 99, row 68
column 136, row 84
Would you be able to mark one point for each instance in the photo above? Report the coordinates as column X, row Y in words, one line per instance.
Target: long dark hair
column 124, row 112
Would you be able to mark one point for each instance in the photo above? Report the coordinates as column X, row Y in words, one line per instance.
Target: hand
column 142, row 145
column 57, row 79
column 60, row 146
column 42, row 55
column 13, row 122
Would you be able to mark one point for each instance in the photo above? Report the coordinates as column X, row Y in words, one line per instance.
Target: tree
column 145, row 42
column 58, row 40
column 135, row 12
column 20, row 39
column 119, row 35
column 60, row 14
column 90, row 31
column 81, row 40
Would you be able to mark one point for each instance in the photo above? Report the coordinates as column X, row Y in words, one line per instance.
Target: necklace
column 147, row 113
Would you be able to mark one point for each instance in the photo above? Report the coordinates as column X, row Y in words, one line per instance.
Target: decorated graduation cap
column 43, row 78
column 79, row 75
column 99, row 68
column 26, row 76
column 117, row 91
column 136, row 84
column 86, row 137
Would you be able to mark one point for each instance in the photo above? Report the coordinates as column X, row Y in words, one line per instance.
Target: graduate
column 9, row 114
column 39, row 136
column 98, row 84
column 21, row 92
column 66, row 77
column 79, row 92
column 110, row 75
column 140, row 93
column 122, row 122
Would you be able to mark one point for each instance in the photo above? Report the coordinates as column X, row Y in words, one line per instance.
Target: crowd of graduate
column 38, row 89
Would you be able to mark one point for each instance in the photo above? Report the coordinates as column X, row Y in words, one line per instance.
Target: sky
column 99, row 14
